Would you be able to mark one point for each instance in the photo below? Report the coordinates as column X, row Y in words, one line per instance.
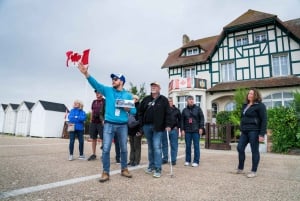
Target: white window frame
column 181, row 102
column 242, row 40
column 189, row 72
column 260, row 37
column 192, row 51
column 278, row 99
column 227, row 72
column 280, row 65
column 230, row 106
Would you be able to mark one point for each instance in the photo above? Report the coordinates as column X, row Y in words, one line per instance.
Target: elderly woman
column 76, row 118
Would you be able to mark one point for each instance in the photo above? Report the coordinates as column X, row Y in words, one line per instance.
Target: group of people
column 161, row 123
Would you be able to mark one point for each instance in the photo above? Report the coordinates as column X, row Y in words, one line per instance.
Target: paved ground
column 38, row 169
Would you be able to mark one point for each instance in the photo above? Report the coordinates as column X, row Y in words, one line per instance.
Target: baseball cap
column 155, row 83
column 120, row 76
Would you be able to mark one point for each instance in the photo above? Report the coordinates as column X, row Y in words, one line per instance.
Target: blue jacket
column 77, row 116
column 111, row 94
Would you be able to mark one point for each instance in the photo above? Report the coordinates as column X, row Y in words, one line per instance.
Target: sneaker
column 251, row 174
column 149, row 170
column 173, row 162
column 104, row 177
column 186, row 164
column 157, row 174
column 70, row 157
column 92, row 157
column 195, row 165
column 126, row 173
column 117, row 161
column 81, row 157
column 164, row 161
column 238, row 171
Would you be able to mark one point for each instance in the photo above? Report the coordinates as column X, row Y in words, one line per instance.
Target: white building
column 255, row 50
column 10, row 118
column 47, row 119
column 23, row 118
column 2, row 116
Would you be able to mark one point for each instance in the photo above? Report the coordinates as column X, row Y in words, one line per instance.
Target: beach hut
column 47, row 119
column 10, row 118
column 2, row 116
column 23, row 118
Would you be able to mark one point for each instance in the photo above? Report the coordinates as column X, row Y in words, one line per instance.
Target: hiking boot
column 70, row 157
column 92, row 157
column 149, row 170
column 251, row 174
column 104, row 177
column 157, row 173
column 126, row 173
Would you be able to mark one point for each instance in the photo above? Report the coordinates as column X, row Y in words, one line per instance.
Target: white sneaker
column 81, row 157
column 195, row 165
column 70, row 157
column 251, row 174
column 186, row 164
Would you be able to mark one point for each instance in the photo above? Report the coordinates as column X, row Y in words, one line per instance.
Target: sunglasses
column 115, row 79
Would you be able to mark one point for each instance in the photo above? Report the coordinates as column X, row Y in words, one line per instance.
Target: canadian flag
column 185, row 83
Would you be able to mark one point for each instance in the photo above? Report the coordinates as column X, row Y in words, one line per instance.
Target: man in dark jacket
column 154, row 119
column 192, row 125
column 175, row 117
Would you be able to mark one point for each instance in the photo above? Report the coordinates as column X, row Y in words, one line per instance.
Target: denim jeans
column 252, row 138
column 189, row 138
column 79, row 135
column 109, row 131
column 173, row 137
column 117, row 148
column 154, row 146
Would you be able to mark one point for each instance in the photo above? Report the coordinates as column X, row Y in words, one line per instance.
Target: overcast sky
column 132, row 37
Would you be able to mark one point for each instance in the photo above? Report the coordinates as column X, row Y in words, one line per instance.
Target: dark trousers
column 135, row 149
column 252, row 138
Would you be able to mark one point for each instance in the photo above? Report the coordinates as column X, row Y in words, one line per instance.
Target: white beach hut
column 47, row 119
column 23, row 118
column 2, row 116
column 10, row 118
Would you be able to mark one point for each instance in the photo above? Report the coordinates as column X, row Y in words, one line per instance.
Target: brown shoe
column 126, row 173
column 104, row 177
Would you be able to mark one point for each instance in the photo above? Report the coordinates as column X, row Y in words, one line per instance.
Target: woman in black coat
column 253, row 129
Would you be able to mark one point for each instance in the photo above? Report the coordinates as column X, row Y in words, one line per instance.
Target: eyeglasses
column 115, row 79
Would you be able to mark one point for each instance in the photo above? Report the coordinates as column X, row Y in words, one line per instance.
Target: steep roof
column 58, row 107
column 14, row 106
column 4, row 106
column 29, row 105
column 273, row 82
column 249, row 19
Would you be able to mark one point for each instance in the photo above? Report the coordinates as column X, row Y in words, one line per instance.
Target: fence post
column 207, row 135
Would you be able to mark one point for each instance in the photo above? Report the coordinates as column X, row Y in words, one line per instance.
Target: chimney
column 185, row 39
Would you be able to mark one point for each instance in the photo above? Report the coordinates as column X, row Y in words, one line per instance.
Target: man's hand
column 168, row 129
column 83, row 69
column 261, row 138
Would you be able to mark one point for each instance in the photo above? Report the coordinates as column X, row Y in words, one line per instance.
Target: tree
column 141, row 91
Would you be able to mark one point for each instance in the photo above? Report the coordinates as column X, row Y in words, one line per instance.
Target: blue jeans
column 173, row 137
column 117, row 148
column 79, row 135
column 109, row 131
column 252, row 138
column 154, row 146
column 189, row 138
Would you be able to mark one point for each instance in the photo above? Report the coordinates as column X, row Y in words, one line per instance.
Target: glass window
column 230, row 106
column 189, row 72
column 181, row 100
column 280, row 65
column 214, row 108
column 227, row 72
column 242, row 40
column 192, row 51
column 278, row 99
column 260, row 37
column 198, row 101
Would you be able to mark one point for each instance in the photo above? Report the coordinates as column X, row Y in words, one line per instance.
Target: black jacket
column 175, row 117
column 255, row 118
column 155, row 112
column 192, row 119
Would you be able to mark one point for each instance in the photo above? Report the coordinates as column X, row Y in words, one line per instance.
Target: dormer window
column 192, row 51
column 242, row 40
column 260, row 37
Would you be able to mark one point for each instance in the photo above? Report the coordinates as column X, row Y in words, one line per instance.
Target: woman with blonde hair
column 77, row 117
